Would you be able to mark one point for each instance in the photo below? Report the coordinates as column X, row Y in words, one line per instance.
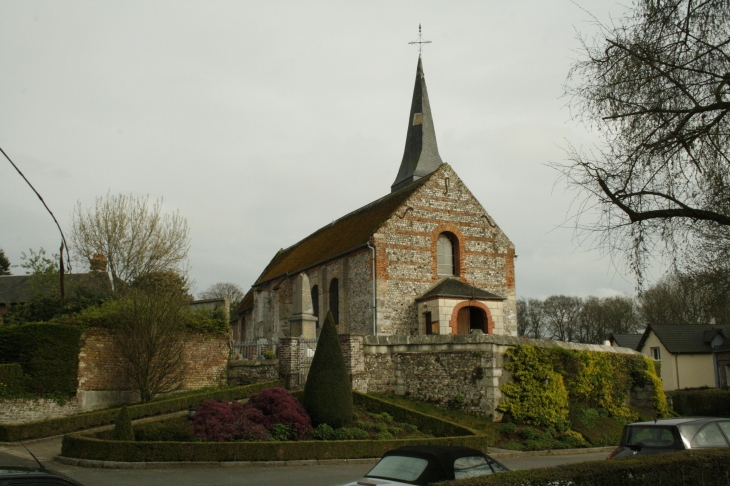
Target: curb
column 91, row 463
column 551, row 452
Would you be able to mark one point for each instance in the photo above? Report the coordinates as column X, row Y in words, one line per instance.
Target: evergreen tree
column 123, row 426
column 328, row 393
column 4, row 263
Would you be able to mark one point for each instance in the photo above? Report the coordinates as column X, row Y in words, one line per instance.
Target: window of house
column 429, row 324
column 445, row 255
column 315, row 303
column 655, row 354
column 335, row 300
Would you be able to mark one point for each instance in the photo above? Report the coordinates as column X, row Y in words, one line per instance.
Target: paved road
column 45, row 450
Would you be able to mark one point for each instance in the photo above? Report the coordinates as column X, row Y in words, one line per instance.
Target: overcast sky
column 262, row 121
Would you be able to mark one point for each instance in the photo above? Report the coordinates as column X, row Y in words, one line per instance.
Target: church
column 424, row 259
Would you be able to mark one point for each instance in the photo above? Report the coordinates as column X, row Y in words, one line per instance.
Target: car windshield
column 649, row 436
column 400, row 468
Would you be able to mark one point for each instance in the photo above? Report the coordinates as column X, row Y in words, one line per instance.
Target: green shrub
column 529, row 433
column 175, row 403
column 123, row 426
column 711, row 402
column 513, row 446
column 361, row 424
column 207, row 322
column 680, row 468
column 12, row 381
column 382, row 417
column 508, row 428
column 324, row 432
column 385, row 435
column 282, row 432
column 175, row 430
column 381, row 427
column 356, row 434
column 328, row 393
column 48, row 355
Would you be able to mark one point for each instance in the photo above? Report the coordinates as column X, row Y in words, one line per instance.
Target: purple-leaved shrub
column 277, row 406
column 225, row 422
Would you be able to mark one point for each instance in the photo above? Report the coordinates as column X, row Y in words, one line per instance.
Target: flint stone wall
column 22, row 411
column 250, row 371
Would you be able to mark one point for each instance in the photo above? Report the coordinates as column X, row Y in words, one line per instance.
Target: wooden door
column 463, row 321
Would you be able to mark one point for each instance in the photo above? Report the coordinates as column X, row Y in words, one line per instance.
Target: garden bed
column 175, row 403
column 85, row 446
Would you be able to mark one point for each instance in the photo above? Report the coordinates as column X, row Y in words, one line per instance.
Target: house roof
column 16, row 289
column 685, row 338
column 452, row 287
column 339, row 237
column 630, row 341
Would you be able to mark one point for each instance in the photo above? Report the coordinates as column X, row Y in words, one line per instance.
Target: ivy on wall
column 547, row 380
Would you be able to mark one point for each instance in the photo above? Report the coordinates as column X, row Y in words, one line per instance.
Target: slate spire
column 421, row 155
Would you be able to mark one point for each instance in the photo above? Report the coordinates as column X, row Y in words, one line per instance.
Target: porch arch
column 488, row 326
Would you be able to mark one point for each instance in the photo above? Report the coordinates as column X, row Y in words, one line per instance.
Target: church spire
column 421, row 155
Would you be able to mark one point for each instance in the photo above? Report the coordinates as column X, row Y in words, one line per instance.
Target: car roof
column 680, row 421
column 445, row 455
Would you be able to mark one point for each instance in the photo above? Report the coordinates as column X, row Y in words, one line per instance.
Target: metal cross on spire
column 420, row 41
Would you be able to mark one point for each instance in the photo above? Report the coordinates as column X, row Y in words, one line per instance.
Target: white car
column 423, row 465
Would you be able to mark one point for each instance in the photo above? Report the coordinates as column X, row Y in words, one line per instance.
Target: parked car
column 668, row 435
column 423, row 465
column 21, row 476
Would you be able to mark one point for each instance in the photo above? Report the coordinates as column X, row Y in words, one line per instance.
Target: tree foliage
column 656, row 85
column 135, row 237
column 222, row 290
column 4, row 264
column 328, row 392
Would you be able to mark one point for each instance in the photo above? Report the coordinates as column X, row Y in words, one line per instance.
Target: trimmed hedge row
column 681, row 468
column 48, row 354
column 11, row 380
column 47, row 428
column 712, row 402
column 85, row 447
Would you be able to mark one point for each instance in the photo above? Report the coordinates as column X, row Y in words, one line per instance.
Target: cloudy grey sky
column 262, row 121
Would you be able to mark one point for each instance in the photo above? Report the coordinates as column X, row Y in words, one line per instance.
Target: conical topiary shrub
column 123, row 426
column 328, row 393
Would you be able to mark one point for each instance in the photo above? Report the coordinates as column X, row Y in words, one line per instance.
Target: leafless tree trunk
column 561, row 314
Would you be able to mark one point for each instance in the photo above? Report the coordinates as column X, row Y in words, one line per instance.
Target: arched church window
column 445, row 252
column 335, row 300
column 315, row 303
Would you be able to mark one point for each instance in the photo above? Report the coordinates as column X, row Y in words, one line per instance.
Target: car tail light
column 615, row 451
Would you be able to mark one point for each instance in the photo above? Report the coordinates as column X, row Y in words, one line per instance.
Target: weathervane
column 420, row 41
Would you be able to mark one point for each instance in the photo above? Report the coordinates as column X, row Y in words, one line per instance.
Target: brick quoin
column 471, row 303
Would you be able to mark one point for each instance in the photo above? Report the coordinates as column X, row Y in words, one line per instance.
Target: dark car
column 26, row 476
column 424, row 465
column 668, row 435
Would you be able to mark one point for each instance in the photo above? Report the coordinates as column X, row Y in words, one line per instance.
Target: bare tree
column 530, row 319
column 562, row 316
column 134, row 236
column 150, row 337
column 221, row 290
column 656, row 84
column 599, row 318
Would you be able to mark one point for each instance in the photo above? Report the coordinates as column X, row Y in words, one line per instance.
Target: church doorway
column 470, row 318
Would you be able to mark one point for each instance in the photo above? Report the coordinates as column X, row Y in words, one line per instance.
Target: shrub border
column 62, row 425
column 81, row 446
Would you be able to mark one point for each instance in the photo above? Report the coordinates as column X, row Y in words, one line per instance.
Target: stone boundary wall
column 465, row 371
column 22, row 411
column 250, row 371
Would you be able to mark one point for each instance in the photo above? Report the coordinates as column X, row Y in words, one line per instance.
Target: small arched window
column 315, row 303
column 446, row 255
column 335, row 300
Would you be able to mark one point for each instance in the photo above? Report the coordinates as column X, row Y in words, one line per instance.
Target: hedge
column 708, row 467
column 85, row 447
column 48, row 354
column 711, row 402
column 11, row 380
column 47, row 428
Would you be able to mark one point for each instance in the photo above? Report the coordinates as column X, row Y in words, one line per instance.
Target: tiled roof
column 685, row 338
column 630, row 341
column 452, row 287
column 342, row 235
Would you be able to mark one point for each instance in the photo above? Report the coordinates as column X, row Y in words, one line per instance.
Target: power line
column 65, row 244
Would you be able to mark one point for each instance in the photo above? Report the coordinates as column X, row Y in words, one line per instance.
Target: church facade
column 425, row 259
